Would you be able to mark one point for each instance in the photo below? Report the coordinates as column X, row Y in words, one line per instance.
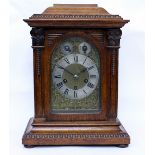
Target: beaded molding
column 72, row 136
column 48, row 16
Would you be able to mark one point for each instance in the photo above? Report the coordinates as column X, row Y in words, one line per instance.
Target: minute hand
column 65, row 70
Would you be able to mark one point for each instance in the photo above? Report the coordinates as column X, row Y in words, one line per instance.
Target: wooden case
column 48, row 29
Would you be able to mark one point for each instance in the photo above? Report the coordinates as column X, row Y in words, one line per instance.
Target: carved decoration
column 38, row 38
column 56, row 16
column 113, row 67
column 38, row 61
column 72, row 136
column 113, row 37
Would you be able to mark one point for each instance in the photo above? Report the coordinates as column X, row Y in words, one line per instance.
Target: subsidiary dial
column 84, row 48
column 66, row 48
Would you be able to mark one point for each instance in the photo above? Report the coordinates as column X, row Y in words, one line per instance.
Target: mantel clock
column 75, row 53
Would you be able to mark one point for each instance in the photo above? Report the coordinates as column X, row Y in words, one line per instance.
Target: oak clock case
column 75, row 50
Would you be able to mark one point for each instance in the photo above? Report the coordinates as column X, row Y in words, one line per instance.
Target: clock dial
column 75, row 76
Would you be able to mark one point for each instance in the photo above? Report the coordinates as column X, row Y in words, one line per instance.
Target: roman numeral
column 60, row 67
column 90, row 67
column 92, row 76
column 90, row 85
column 84, row 91
column 66, row 91
column 85, row 60
column 75, row 94
column 67, row 61
column 59, row 85
column 57, row 76
column 76, row 58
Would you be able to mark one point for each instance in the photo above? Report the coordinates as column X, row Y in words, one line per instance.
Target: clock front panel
column 75, row 76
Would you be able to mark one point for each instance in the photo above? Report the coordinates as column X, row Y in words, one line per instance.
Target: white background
column 131, row 77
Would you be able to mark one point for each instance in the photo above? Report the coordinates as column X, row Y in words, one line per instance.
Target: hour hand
column 83, row 70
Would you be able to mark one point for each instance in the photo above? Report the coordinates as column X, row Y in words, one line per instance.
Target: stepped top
column 68, row 13
column 76, row 9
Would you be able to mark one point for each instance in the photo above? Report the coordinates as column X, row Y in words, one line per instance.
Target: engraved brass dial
column 75, row 76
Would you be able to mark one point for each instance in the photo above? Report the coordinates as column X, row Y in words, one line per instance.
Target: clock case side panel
column 113, row 37
column 38, row 45
column 98, row 42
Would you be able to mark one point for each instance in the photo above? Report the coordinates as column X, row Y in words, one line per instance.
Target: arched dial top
column 75, row 76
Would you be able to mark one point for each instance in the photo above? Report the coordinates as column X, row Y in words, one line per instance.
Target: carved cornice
column 56, row 16
column 77, row 16
column 75, row 136
column 87, row 23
